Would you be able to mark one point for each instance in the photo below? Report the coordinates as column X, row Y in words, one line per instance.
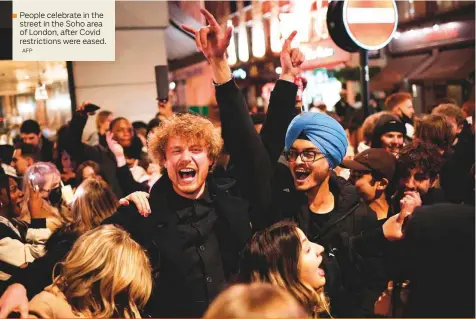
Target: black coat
column 47, row 149
column 158, row 234
column 455, row 177
column 440, row 261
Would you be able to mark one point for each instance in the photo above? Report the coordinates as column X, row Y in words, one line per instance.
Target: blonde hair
column 257, row 300
column 93, row 202
column 450, row 110
column 106, row 274
column 187, row 127
column 272, row 256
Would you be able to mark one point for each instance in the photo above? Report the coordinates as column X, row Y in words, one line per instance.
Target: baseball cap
column 373, row 159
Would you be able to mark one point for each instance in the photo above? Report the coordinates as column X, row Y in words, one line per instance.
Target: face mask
column 54, row 196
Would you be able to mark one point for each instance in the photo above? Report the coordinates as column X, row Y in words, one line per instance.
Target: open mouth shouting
column 187, row 175
column 301, row 174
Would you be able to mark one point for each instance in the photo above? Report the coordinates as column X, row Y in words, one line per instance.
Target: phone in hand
column 89, row 108
column 33, row 183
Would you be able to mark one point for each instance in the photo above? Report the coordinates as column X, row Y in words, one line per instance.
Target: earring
column 1, row 204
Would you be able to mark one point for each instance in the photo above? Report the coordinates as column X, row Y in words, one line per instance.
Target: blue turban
column 323, row 131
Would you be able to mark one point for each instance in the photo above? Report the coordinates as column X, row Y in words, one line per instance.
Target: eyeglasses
column 306, row 156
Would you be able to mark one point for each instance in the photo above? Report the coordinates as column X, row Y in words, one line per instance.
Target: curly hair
column 435, row 129
column 422, row 156
column 187, row 127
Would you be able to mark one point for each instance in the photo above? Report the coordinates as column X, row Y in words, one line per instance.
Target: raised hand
column 291, row 59
column 393, row 227
column 211, row 40
column 114, row 146
column 80, row 108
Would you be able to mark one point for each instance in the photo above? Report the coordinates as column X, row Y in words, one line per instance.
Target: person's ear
column 433, row 181
column 382, row 184
column 30, row 161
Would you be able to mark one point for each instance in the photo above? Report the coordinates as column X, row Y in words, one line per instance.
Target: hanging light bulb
column 302, row 11
column 274, row 28
column 257, row 32
column 243, row 50
column 243, row 53
column 40, row 91
column 231, row 50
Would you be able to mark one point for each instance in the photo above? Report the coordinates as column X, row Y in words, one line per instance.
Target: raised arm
column 281, row 109
column 75, row 147
column 124, row 176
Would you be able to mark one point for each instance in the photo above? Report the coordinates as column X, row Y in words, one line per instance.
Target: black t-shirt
column 318, row 221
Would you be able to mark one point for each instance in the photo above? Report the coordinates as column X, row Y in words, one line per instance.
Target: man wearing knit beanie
column 332, row 214
column 388, row 134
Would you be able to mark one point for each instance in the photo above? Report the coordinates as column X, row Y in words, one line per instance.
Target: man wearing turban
column 326, row 207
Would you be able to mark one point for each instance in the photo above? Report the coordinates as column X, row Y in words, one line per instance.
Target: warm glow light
column 302, row 18
column 243, row 52
column 279, row 70
column 26, row 108
column 41, row 93
column 274, row 29
column 258, row 40
column 59, row 102
column 231, row 50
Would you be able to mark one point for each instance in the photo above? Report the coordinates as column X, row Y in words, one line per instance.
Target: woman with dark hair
column 20, row 243
column 88, row 169
column 283, row 256
column 63, row 160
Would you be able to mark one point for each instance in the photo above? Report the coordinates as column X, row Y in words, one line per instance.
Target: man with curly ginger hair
column 196, row 229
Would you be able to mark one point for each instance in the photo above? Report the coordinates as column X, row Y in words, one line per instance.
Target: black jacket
column 440, row 261
column 47, row 149
column 355, row 271
column 159, row 235
column 354, row 281
column 82, row 152
column 455, row 177
column 39, row 273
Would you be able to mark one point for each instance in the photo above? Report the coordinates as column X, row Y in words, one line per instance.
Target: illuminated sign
column 369, row 23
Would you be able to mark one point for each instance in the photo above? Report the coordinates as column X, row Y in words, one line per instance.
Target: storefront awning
column 451, row 65
column 395, row 71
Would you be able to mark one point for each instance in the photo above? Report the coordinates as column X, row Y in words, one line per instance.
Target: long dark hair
column 5, row 184
column 272, row 256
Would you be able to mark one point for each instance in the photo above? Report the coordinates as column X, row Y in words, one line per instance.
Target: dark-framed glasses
column 306, row 156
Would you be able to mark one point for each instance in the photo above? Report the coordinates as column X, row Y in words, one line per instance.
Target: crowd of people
column 309, row 215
